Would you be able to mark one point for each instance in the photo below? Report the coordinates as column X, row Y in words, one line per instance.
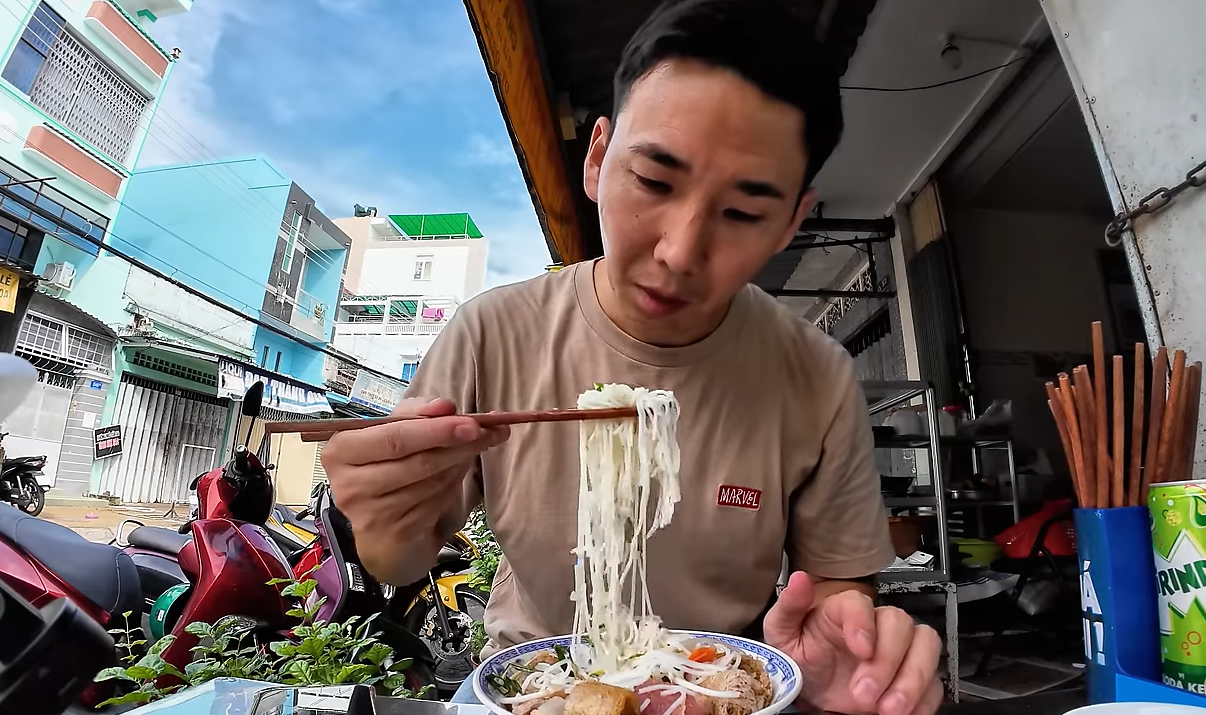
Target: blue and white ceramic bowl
column 783, row 671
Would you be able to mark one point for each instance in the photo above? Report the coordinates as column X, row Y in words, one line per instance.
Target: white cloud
column 481, row 150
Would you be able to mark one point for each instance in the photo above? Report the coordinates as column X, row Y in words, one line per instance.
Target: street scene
column 650, row 357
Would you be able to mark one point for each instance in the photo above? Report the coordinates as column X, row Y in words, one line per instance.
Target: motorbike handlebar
column 241, row 464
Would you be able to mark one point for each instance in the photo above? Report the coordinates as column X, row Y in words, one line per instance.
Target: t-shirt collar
column 625, row 344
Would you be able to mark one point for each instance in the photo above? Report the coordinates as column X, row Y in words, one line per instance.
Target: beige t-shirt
column 775, row 442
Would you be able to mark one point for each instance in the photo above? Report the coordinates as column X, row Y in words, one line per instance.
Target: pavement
column 99, row 523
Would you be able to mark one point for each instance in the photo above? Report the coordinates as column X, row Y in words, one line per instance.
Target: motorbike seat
column 99, row 572
column 22, row 460
column 287, row 516
column 157, row 538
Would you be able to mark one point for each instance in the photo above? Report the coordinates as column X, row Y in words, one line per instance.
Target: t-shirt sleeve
column 449, row 370
column 837, row 527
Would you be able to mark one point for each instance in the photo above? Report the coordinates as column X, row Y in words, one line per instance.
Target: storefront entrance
column 170, row 435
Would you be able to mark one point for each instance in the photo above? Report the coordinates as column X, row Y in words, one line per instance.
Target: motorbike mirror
column 253, row 399
column 17, row 378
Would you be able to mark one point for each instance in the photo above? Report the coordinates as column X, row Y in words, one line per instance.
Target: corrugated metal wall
column 170, row 435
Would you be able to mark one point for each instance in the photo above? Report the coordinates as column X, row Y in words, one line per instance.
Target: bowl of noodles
column 680, row 673
column 619, row 660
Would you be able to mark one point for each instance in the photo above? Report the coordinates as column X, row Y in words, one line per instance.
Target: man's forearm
column 824, row 588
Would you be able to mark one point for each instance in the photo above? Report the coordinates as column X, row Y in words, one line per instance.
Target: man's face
column 697, row 184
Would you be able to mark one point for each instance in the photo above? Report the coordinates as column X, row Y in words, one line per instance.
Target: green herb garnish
column 560, row 652
column 598, row 387
column 506, row 686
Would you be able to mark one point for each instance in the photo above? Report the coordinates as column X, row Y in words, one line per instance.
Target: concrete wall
column 357, row 228
column 76, row 458
column 212, row 226
column 458, row 268
column 1030, row 280
column 297, row 360
column 1146, row 114
column 1031, row 288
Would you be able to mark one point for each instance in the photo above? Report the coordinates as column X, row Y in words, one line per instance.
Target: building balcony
column 380, row 328
column 311, row 316
column 69, row 160
column 115, row 27
column 152, row 10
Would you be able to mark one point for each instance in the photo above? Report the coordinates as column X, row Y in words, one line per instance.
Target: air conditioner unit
column 60, row 275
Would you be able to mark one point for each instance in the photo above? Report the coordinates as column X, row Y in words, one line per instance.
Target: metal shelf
column 923, row 442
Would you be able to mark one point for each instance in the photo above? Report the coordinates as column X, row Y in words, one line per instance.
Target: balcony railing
column 380, row 328
column 311, row 315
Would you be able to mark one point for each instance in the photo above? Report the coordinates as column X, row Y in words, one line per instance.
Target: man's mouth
column 659, row 304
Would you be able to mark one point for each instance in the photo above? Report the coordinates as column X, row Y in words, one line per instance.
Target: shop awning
column 224, row 376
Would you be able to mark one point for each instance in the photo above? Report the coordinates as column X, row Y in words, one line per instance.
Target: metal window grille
column 89, row 347
column 41, row 335
column 167, row 367
column 77, row 88
column 44, row 336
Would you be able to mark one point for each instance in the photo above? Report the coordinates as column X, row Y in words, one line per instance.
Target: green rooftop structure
column 436, row 226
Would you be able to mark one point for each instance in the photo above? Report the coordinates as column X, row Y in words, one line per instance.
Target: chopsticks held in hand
column 322, row 430
column 1096, row 449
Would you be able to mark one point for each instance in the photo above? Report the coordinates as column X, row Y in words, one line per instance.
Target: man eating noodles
column 724, row 112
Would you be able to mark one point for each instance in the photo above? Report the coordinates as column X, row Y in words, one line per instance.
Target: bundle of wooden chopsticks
column 1102, row 473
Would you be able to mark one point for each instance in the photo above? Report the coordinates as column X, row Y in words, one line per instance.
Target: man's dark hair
column 768, row 42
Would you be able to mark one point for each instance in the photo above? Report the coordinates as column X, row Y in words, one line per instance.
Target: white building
column 406, row 276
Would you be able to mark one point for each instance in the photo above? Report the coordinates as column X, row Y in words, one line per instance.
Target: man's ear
column 807, row 201
column 599, row 137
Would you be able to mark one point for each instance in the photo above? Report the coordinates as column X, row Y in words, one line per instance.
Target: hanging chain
column 1153, row 202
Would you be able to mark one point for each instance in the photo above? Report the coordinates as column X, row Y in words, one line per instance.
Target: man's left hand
column 856, row 658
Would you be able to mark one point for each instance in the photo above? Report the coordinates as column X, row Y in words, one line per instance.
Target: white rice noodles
column 624, row 466
column 628, row 488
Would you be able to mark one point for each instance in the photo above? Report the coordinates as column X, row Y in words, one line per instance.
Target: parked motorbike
column 22, row 482
column 222, row 565
column 441, row 609
column 240, row 497
column 46, row 565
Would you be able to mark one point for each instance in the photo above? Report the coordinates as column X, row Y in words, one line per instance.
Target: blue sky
column 380, row 102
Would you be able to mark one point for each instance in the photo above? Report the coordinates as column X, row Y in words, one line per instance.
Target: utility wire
column 858, row 88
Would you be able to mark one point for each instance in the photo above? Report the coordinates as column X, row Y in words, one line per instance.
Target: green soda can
column 1178, row 512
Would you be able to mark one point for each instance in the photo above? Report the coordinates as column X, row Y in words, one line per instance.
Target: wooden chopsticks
column 1083, row 409
column 322, row 430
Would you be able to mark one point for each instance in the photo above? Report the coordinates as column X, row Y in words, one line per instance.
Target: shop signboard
column 376, row 392
column 106, row 441
column 234, row 379
column 9, row 283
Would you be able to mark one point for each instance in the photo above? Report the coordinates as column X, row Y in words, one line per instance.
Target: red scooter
column 224, row 555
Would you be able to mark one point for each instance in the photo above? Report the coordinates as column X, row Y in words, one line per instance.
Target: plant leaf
column 117, row 673
column 141, row 672
column 199, row 629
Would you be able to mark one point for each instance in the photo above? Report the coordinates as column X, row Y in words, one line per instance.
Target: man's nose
column 683, row 245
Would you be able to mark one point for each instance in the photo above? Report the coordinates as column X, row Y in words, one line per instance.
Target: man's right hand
column 397, row 483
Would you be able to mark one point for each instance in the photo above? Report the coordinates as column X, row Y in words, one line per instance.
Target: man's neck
column 661, row 333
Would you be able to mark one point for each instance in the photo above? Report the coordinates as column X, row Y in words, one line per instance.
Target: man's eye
column 657, row 187
column 741, row 216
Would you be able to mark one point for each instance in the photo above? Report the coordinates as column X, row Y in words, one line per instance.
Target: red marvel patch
column 740, row 497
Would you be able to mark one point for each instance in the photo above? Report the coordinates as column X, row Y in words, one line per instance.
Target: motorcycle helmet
column 166, row 610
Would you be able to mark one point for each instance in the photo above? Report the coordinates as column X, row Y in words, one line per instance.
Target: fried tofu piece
column 591, row 698
column 754, row 667
column 752, row 695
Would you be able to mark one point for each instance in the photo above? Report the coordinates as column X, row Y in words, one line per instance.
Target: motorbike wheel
column 454, row 660
column 36, row 498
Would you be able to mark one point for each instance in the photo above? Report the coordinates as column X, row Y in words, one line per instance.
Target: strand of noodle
column 619, row 470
